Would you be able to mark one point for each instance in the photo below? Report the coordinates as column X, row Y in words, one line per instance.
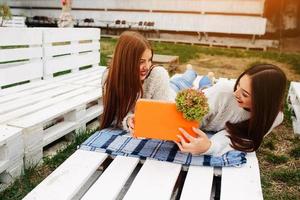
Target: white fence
column 211, row 16
column 203, row 6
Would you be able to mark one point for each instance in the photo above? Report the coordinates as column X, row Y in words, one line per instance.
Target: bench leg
column 76, row 116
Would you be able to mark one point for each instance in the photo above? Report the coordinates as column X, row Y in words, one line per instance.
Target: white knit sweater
column 223, row 108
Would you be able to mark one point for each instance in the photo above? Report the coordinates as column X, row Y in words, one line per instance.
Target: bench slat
column 33, row 98
column 20, row 54
column 9, row 97
column 53, row 111
column 73, row 61
column 23, row 72
column 42, row 105
column 111, row 182
column 12, row 37
column 198, row 183
column 74, row 48
column 57, row 131
column 69, row 177
column 155, row 180
column 243, row 182
column 71, row 77
column 72, row 34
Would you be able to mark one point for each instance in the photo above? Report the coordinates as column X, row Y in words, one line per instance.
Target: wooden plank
column 18, row 94
column 23, row 72
column 57, row 131
column 67, row 77
column 198, row 183
column 70, row 34
column 31, row 99
column 70, row 62
column 12, row 36
column 242, row 182
column 155, row 180
column 294, row 101
column 50, row 51
column 158, row 58
column 295, row 89
column 20, row 53
column 54, row 111
column 111, row 182
column 69, row 177
column 7, row 132
column 42, row 105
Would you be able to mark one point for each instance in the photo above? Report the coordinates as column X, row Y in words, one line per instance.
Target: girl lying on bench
column 240, row 115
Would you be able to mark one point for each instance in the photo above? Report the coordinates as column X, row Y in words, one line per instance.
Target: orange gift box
column 160, row 120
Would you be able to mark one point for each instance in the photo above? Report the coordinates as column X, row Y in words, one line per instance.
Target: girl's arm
column 217, row 145
column 127, row 123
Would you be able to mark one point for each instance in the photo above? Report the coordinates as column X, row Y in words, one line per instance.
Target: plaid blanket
column 116, row 142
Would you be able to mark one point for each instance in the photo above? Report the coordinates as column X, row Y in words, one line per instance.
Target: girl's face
column 145, row 63
column 243, row 92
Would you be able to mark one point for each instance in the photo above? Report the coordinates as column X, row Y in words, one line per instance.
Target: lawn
column 278, row 156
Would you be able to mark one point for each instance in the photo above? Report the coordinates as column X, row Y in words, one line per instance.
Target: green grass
column 33, row 176
column 289, row 176
column 187, row 52
column 276, row 159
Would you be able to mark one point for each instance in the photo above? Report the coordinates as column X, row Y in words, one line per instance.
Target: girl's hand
column 130, row 123
column 194, row 145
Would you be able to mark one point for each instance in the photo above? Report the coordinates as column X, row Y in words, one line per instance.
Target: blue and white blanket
column 116, row 142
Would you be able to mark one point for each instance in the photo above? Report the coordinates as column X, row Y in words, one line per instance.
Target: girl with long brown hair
column 131, row 76
column 240, row 115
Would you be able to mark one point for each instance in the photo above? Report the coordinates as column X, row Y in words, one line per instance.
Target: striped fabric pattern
column 117, row 142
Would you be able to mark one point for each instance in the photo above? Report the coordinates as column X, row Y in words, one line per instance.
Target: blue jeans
column 184, row 81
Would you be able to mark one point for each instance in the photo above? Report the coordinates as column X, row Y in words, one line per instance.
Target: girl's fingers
column 199, row 132
column 186, row 135
column 182, row 141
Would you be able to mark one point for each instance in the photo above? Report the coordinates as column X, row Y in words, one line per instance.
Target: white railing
column 220, row 6
column 209, row 16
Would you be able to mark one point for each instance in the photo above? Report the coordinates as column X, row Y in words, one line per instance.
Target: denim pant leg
column 184, row 81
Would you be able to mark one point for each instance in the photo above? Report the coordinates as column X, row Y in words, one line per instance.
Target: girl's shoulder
column 158, row 73
column 220, row 88
column 157, row 70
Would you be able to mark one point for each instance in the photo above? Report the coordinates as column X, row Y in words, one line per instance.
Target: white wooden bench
column 93, row 175
column 131, row 178
column 48, row 109
column 294, row 104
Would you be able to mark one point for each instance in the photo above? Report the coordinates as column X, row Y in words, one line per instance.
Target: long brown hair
column 268, row 84
column 123, row 85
